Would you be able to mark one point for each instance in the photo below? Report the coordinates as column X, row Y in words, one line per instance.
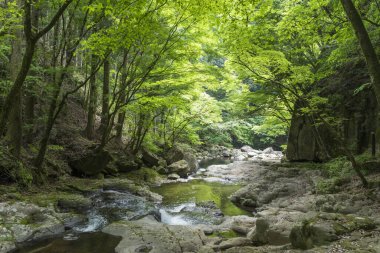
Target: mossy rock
column 75, row 203
column 227, row 234
column 349, row 223
column 145, row 175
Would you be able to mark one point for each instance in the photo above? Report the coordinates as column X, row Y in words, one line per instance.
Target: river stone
column 246, row 148
column 268, row 150
column 74, row 204
column 91, row 164
column 155, row 237
column 178, row 153
column 233, row 242
column 151, row 159
column 181, row 168
column 173, row 176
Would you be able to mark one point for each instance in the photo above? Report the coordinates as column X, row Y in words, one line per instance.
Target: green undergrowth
column 339, row 172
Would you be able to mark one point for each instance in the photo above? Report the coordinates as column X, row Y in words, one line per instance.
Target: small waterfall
column 172, row 215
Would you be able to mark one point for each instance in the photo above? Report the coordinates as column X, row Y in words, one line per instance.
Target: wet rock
column 157, row 237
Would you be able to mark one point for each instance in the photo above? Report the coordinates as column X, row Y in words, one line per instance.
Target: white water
column 94, row 223
column 172, row 216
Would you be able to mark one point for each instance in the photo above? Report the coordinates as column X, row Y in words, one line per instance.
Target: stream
column 186, row 202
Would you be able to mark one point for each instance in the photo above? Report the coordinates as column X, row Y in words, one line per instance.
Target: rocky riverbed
column 284, row 211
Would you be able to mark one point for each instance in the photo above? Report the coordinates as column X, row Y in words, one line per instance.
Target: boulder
column 268, row 151
column 259, row 234
column 176, row 154
column 233, row 242
column 181, row 168
column 125, row 162
column 326, row 228
column 246, row 149
column 148, row 235
column 91, row 163
column 173, row 176
column 78, row 204
column 151, row 159
column 307, row 235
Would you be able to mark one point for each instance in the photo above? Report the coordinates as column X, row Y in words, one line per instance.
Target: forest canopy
column 152, row 74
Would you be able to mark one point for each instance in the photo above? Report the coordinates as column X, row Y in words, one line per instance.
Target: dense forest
column 126, row 95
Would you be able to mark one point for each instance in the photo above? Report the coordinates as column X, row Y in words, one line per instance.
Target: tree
column 32, row 35
column 365, row 44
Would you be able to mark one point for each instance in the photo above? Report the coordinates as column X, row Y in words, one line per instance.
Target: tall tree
column 32, row 35
column 365, row 44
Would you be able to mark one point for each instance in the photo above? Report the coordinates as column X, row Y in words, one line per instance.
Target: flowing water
column 196, row 201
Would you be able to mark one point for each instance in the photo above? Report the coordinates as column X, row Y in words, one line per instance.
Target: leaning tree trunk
column 365, row 44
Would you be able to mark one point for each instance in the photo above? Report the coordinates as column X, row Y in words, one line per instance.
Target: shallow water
column 195, row 191
column 85, row 243
column 181, row 206
column 214, row 161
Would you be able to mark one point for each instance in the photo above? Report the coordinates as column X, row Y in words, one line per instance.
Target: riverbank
column 289, row 209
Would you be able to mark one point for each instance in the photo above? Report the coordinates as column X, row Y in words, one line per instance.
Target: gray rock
column 234, row 242
column 74, row 204
column 259, row 234
column 91, row 163
column 307, row 236
column 181, row 168
column 246, row 149
column 173, row 176
column 156, row 237
column 268, row 151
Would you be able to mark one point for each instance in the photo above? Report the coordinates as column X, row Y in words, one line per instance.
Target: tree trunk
column 12, row 98
column 120, row 126
column 365, row 44
column 105, row 96
column 14, row 132
column 93, row 98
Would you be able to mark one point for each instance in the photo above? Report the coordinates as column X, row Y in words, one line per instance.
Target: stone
column 178, row 153
column 151, row 159
column 268, row 151
column 78, row 204
column 157, row 237
column 233, row 242
column 173, row 176
column 259, row 234
column 91, row 163
column 181, row 168
column 307, row 236
column 226, row 153
column 246, row 149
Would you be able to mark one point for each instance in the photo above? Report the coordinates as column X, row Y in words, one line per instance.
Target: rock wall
column 358, row 110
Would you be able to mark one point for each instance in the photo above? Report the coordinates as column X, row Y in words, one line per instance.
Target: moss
column 225, row 234
column 144, row 175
